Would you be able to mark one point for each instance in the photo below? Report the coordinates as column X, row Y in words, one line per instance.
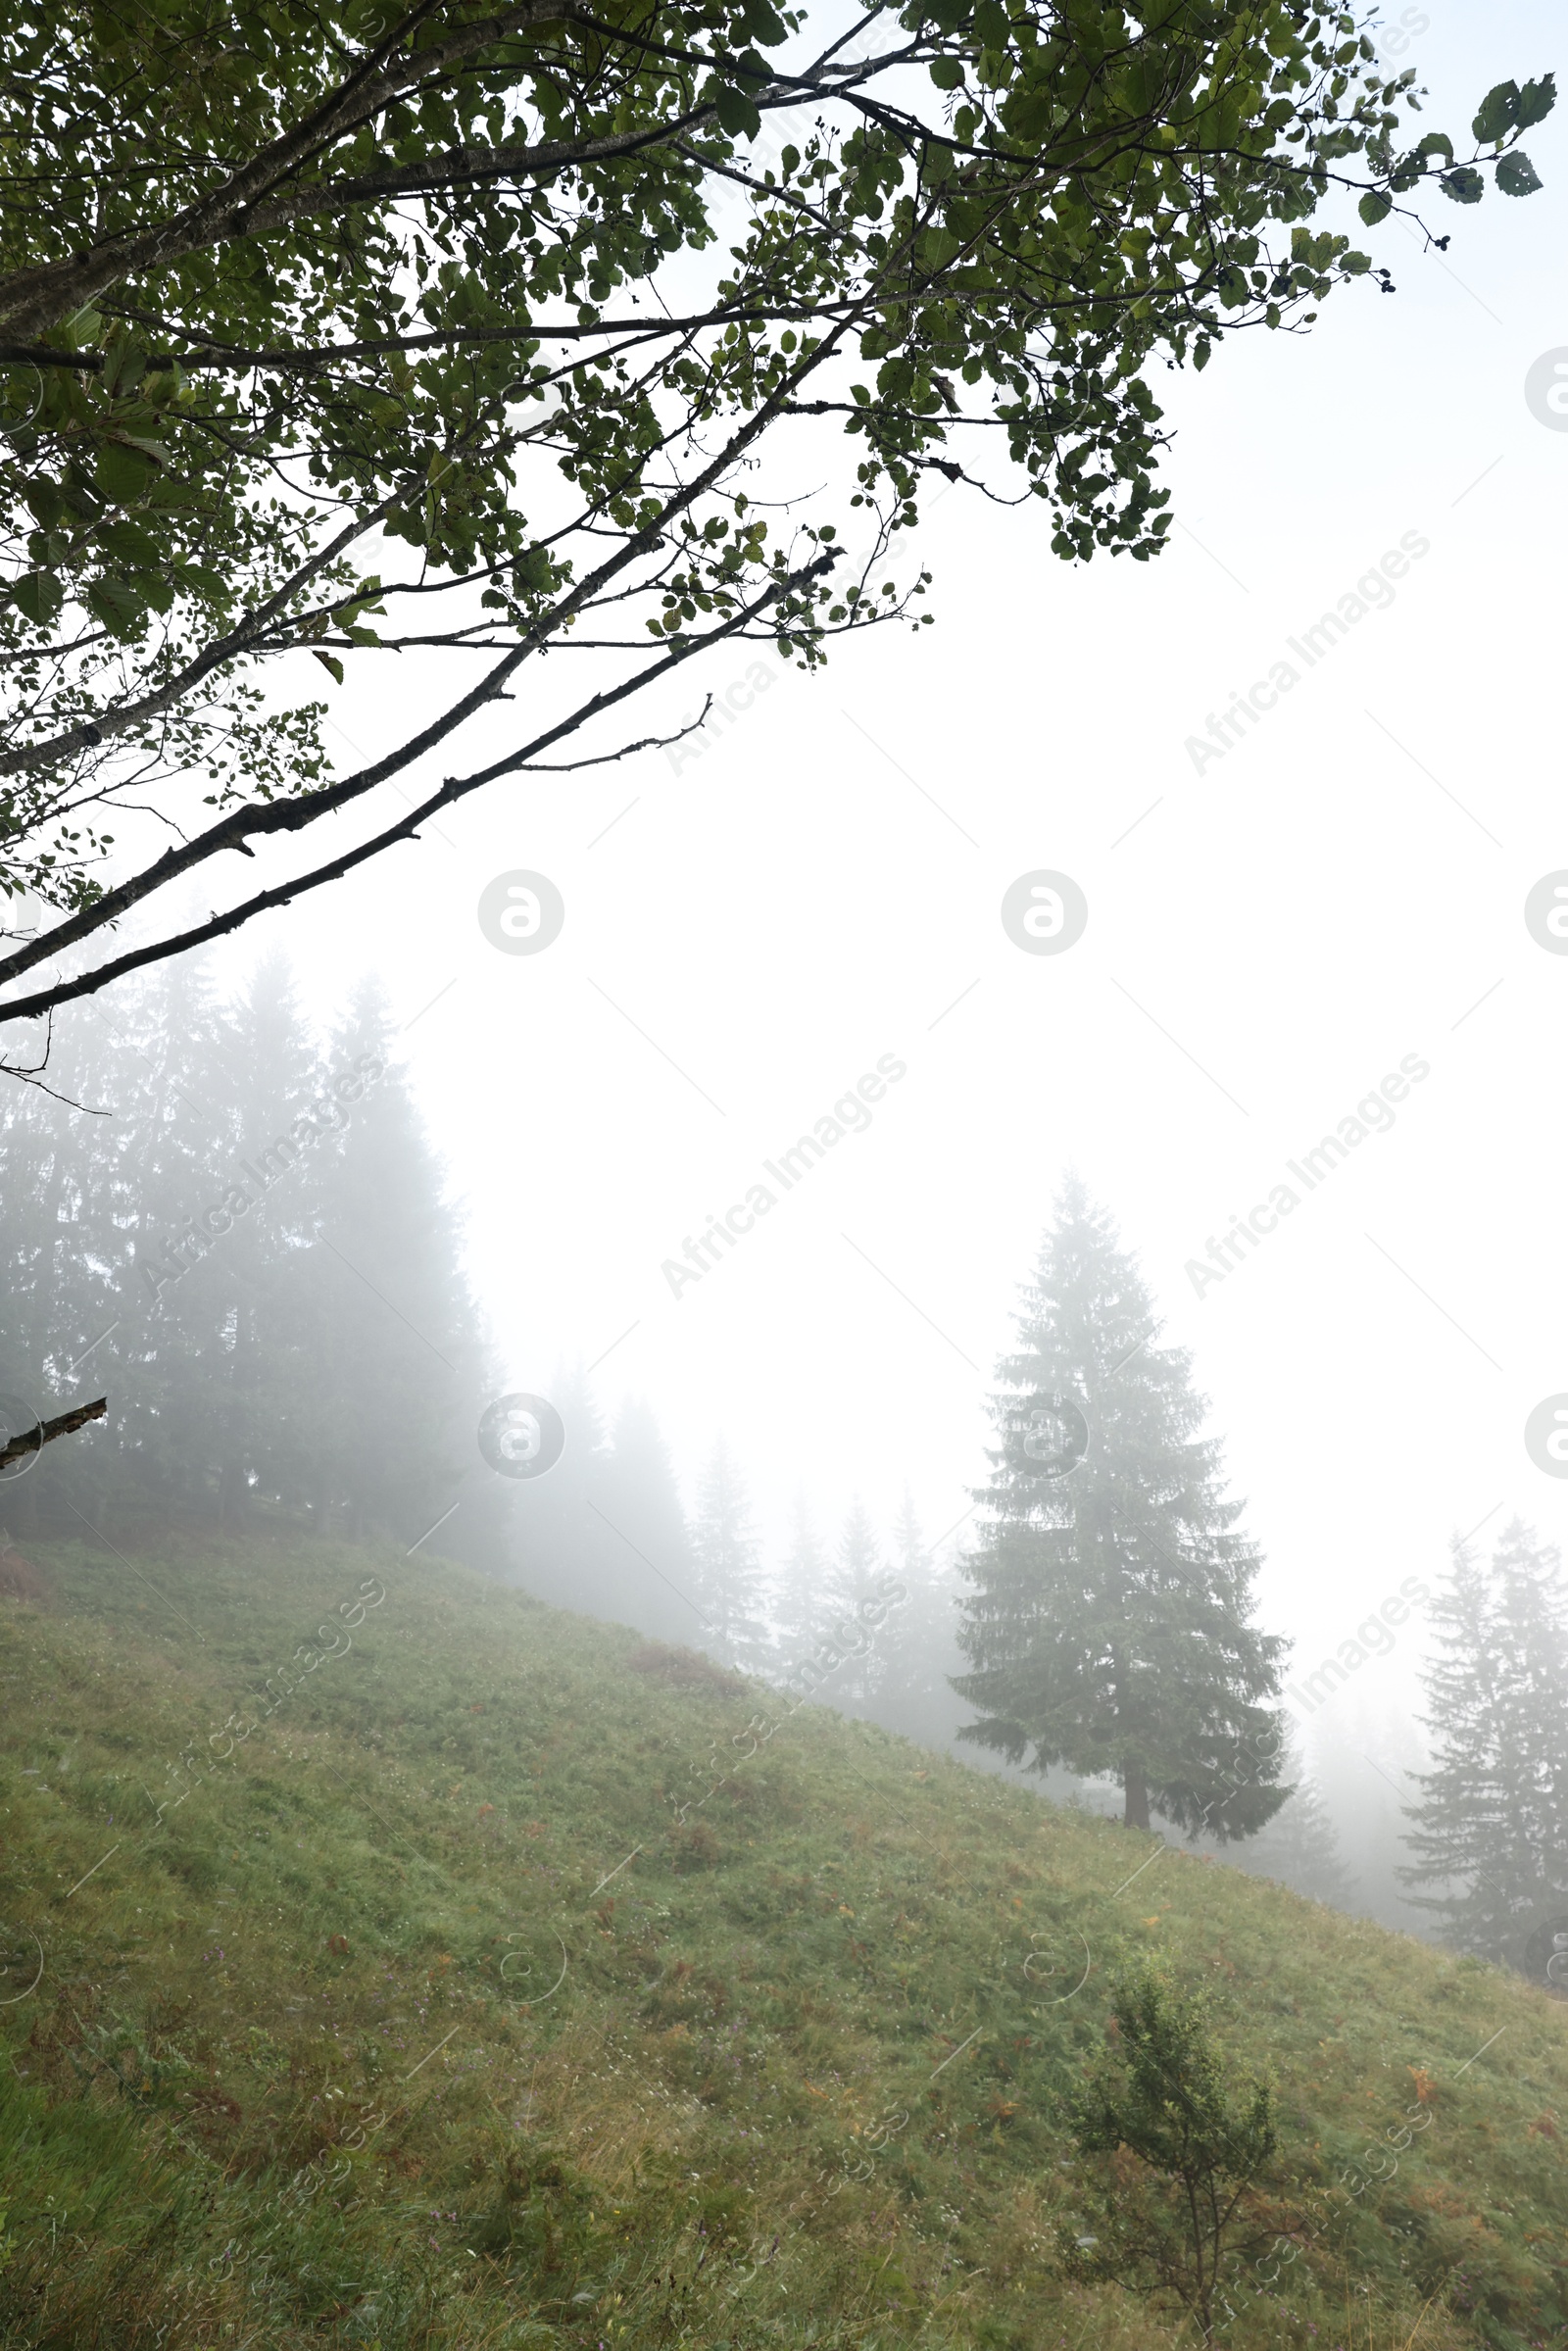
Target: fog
column 812, row 889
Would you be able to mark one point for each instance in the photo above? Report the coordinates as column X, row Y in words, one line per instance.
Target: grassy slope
column 224, row 2119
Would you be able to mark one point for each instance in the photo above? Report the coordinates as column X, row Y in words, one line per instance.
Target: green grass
column 795, row 2086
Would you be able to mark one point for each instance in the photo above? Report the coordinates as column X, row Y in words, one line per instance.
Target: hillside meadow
column 392, row 1961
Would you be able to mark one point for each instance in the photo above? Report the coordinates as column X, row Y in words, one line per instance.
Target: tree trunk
column 1136, row 1814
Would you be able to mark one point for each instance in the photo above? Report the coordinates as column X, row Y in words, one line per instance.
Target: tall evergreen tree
column 917, row 1647
column 910, row 1548
column 652, row 1550
column 1110, row 1624
column 729, row 1559
column 253, row 1256
column 233, row 1391
column 63, row 1212
column 1491, row 1828
column 858, row 1582
column 565, row 1549
column 798, row 1605
column 380, row 1292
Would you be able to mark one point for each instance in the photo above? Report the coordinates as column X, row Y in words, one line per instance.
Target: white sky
column 1340, row 891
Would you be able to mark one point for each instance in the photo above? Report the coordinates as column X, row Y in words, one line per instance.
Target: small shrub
column 1177, row 2152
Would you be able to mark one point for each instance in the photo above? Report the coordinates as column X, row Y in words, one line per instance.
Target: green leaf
column 331, row 661
column 1500, row 112
column 1201, row 355
column 1463, row 186
column 125, row 473
column 1375, row 207
column 200, row 580
column 37, row 596
column 762, row 25
column 44, row 501
column 130, row 545
column 118, row 604
column 736, row 112
column 1516, row 175
column 1536, row 101
column 947, row 73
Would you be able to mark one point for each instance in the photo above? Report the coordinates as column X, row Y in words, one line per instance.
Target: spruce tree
column 62, row 1217
column 244, row 1388
column 1110, row 1624
column 568, row 1550
column 405, row 1368
column 655, row 1585
column 728, row 1560
column 262, row 1235
column 917, row 1649
column 858, row 1582
column 910, row 1549
column 1491, row 1828
column 800, row 1601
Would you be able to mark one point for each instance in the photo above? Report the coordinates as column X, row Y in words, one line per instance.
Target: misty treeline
column 239, row 1238
column 238, row 1231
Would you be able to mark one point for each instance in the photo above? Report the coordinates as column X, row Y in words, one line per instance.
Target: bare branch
column 406, row 829
column 44, row 1432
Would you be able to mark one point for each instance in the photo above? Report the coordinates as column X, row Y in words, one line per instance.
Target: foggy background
column 749, row 929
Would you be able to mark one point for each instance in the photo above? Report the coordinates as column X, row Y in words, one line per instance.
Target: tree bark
column 44, row 1432
column 1135, row 1813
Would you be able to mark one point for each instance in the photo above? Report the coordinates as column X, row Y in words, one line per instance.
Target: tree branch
column 290, row 816
column 32, row 301
column 44, row 1432
column 454, row 789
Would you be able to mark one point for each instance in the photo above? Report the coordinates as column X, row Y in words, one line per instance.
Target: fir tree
column 566, row 1545
column 246, row 1392
column 382, row 1291
column 657, row 1587
column 1491, row 1828
column 856, row 1585
column 800, row 1601
column 256, row 1240
column 728, row 1560
column 1110, row 1626
column 63, row 1247
column 918, row 1647
column 910, row 1544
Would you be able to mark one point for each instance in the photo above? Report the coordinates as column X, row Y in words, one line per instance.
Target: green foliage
column 727, row 1560
column 805, row 2081
column 1110, row 1626
column 260, row 1248
column 1490, row 1832
column 1197, row 2144
column 472, row 318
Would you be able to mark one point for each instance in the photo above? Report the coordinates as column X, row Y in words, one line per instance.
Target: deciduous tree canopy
column 341, row 331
